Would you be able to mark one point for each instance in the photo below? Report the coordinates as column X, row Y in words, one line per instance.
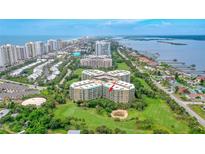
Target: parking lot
column 15, row 91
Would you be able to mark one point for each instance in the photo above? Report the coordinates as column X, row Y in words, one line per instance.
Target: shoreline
column 191, row 69
column 188, row 70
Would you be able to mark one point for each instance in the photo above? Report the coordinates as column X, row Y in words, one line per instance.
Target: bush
column 144, row 124
column 160, row 131
column 119, row 131
column 139, row 105
column 105, row 104
column 103, row 130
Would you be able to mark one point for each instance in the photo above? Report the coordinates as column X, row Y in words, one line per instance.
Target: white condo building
column 3, row 60
column 40, row 48
column 30, row 49
column 21, row 53
column 51, row 45
column 13, row 54
column 102, row 48
column 9, row 54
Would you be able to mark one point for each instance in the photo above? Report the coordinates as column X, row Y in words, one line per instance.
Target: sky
column 102, row 27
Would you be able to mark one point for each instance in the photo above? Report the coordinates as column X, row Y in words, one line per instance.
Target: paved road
column 67, row 74
column 4, row 112
column 183, row 104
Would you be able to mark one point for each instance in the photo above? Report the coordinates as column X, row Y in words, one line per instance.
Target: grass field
column 157, row 111
column 78, row 71
column 3, row 132
column 122, row 66
column 198, row 109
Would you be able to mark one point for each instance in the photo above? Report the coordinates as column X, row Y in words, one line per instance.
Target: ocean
column 21, row 40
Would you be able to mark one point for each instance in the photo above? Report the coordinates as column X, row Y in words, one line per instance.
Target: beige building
column 90, row 74
column 122, row 92
column 97, row 84
column 85, row 90
column 111, row 75
column 120, row 74
column 96, row 61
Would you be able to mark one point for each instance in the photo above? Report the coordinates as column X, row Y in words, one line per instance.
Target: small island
column 172, row 43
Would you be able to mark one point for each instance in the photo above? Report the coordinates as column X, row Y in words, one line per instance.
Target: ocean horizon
column 22, row 39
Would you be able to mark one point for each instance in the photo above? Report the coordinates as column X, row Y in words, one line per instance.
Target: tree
column 55, row 124
column 103, row 130
column 139, row 105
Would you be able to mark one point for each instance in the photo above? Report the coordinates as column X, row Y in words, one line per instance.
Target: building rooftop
column 119, row 85
column 93, row 72
column 86, row 84
column 118, row 72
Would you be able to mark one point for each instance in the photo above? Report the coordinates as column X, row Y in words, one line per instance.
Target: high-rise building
column 30, row 49
column 21, row 53
column 3, row 59
column 52, row 45
column 102, row 48
column 59, row 44
column 40, row 48
column 10, row 55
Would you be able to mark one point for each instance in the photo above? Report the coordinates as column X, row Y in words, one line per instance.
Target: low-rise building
column 200, row 79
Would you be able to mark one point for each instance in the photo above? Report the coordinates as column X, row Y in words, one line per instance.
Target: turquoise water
column 76, row 54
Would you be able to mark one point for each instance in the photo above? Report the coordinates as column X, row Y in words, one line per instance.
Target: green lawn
column 198, row 109
column 144, row 83
column 122, row 66
column 157, row 111
column 73, row 80
column 78, row 71
column 3, row 132
column 57, row 131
